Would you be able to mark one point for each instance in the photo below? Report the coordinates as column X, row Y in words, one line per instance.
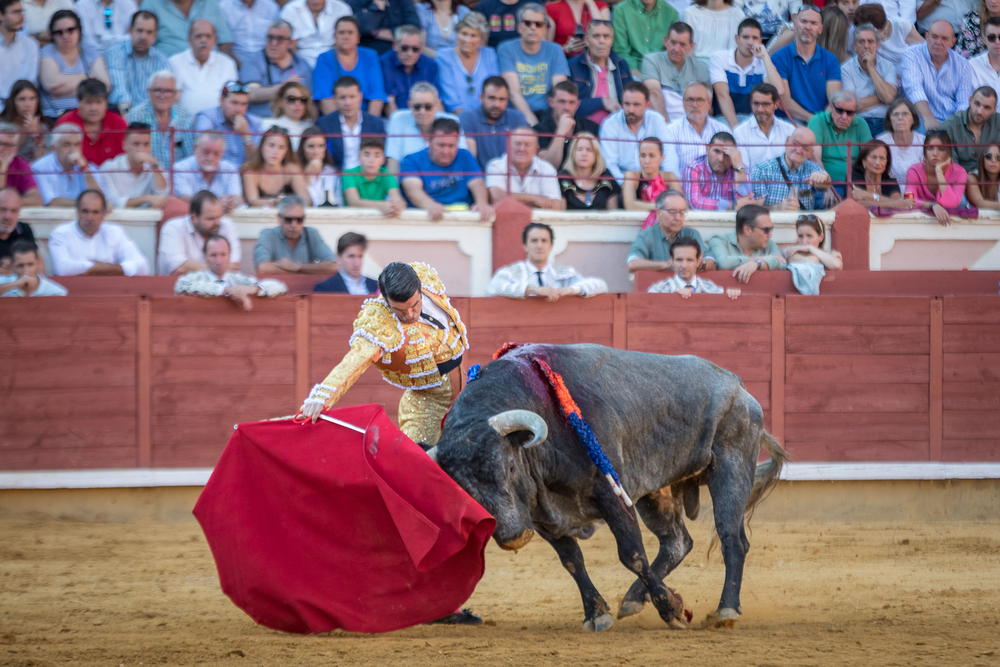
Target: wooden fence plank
column 94, row 432
column 854, row 368
column 848, row 397
column 761, row 391
column 619, row 329
column 972, row 367
column 971, row 310
column 970, row 450
column 71, row 311
column 971, row 425
column 195, row 312
column 936, row 378
column 225, row 371
column 214, row 430
column 778, row 359
column 871, row 450
column 174, row 400
column 971, row 396
column 846, row 339
column 971, row 338
column 302, row 385
column 857, row 427
column 143, row 383
column 487, row 340
column 220, row 341
column 336, row 309
column 852, row 311
column 77, row 458
column 650, row 308
column 502, row 312
column 60, row 403
column 69, row 370
column 18, row 340
column 700, row 338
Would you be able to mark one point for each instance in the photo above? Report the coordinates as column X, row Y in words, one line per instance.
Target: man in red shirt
column 103, row 130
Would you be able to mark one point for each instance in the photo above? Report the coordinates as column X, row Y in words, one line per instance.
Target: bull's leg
column 662, row 513
column 730, row 481
column 596, row 612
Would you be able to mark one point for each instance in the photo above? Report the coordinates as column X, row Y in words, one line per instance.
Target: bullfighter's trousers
column 421, row 412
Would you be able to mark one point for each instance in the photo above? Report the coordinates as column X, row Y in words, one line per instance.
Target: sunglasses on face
column 992, row 38
column 297, row 219
column 808, row 8
column 277, row 38
column 65, row 31
column 766, row 230
column 235, row 87
column 406, row 48
column 291, row 99
column 423, row 107
column 991, row 156
column 600, row 22
column 534, row 24
column 845, row 112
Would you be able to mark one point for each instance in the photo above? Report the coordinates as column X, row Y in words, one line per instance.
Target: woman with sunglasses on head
column 439, row 23
column 321, row 178
column 64, row 64
column 585, row 182
column 24, row 109
column 905, row 145
column 937, row 183
column 462, row 69
column 292, row 109
column 872, row 185
column 569, row 21
column 811, row 234
column 272, row 171
column 982, row 190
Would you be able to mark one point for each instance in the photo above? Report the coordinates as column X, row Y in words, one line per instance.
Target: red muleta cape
column 316, row 527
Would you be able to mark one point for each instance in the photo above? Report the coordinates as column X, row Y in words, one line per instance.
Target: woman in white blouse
column 322, row 180
column 907, row 146
column 293, row 110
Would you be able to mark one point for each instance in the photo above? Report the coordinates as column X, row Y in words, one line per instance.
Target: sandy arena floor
column 814, row 594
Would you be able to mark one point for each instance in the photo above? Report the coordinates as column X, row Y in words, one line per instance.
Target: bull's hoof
column 599, row 623
column 676, row 624
column 630, row 608
column 722, row 618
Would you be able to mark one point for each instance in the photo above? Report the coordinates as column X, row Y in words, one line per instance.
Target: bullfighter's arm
column 363, row 353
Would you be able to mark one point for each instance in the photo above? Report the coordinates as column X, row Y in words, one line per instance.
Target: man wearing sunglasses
column 986, row 66
column 750, row 248
column 291, row 247
column 404, row 66
column 266, row 71
column 833, row 129
column 410, row 129
column 531, row 65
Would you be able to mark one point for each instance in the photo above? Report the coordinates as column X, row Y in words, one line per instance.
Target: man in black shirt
column 561, row 120
column 11, row 230
column 502, row 16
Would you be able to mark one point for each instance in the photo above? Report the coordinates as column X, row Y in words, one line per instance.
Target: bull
column 668, row 424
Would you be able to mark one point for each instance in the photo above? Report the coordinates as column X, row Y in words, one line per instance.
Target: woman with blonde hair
column 463, row 68
column 293, row 109
column 272, row 171
column 585, row 182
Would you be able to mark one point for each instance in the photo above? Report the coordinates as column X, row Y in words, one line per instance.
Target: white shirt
column 748, row 133
column 903, row 9
column 324, row 185
column 120, row 184
column 687, row 144
column 513, row 280
column 352, row 142
column 403, row 136
column 248, row 24
column 713, row 31
column 313, row 36
column 676, row 283
column 36, row 17
column 621, row 148
column 854, row 78
column 892, row 49
column 97, row 36
column 54, row 182
column 201, row 85
column 356, row 286
column 73, row 252
column 541, row 179
column 45, row 287
column 903, row 158
column 295, row 127
column 724, row 62
column 20, row 61
column 983, row 73
column 180, row 241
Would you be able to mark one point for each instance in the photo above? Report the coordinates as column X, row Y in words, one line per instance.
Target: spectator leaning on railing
column 15, row 171
column 750, row 248
column 64, row 173
column 182, row 240
column 135, row 178
column 973, row 128
column 685, row 258
column 370, row 185
column 651, row 249
column 717, row 181
column 291, row 247
column 28, row 279
column 89, row 246
column 206, row 170
column 218, row 280
column 533, row 181
column 872, row 184
column 937, row 183
column 790, row 181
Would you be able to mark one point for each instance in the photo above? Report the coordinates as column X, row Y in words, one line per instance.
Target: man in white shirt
column 18, row 52
column 313, row 23
column 218, row 280
column 206, row 170
column 763, row 136
column 88, row 246
column 134, row 179
column 26, row 281
column 622, row 131
column 986, row 66
column 533, row 181
column 537, row 276
column 409, row 129
column 64, row 173
column 201, row 70
column 248, row 21
column 182, row 240
column 104, row 23
column 688, row 136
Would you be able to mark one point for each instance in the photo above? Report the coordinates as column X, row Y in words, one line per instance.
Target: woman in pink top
column 936, row 182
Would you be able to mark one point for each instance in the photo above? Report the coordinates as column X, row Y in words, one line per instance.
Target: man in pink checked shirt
column 717, row 180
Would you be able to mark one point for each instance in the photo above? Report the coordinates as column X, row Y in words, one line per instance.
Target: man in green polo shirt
column 838, row 126
column 651, row 249
column 370, row 185
column 640, row 27
column 750, row 248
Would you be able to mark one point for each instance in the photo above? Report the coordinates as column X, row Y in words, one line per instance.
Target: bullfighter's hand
column 312, row 410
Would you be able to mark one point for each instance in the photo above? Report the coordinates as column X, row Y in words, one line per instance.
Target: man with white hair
column 89, row 246
column 871, row 77
column 163, row 114
column 833, row 129
column 201, row 70
column 687, row 137
column 268, row 69
column 206, row 170
column 64, row 173
column 533, row 181
column 409, row 129
column 131, row 62
column 15, row 172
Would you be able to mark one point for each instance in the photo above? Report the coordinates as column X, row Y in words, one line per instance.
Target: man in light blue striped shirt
column 248, row 20
column 132, row 62
column 622, row 131
column 936, row 79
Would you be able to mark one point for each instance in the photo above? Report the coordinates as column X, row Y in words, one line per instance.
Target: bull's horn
column 521, row 420
column 433, row 453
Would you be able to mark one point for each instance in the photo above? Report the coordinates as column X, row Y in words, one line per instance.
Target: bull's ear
column 521, row 420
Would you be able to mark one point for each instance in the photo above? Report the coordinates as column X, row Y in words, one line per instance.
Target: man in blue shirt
column 531, row 66
column 809, row 73
column 332, row 65
column 175, row 19
column 241, row 130
column 404, row 66
column 491, row 120
column 444, row 176
column 266, row 71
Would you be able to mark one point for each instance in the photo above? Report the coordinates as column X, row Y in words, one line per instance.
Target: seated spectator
column 599, row 73
column 937, row 183
column 439, row 22
column 533, row 181
column 12, row 230
column 240, row 130
column 974, row 127
column 774, row 16
column 667, row 73
column 376, row 23
column 64, row 174
column 687, row 136
column 809, row 73
column 37, row 16
column 89, row 246
column 560, row 119
column 317, row 168
column 763, row 136
column 640, row 188
column 28, row 278
column 872, row 78
column 168, row 119
column 685, row 258
column 985, row 66
column 346, row 58
column 219, row 280
column 206, row 170
column 370, row 185
column 651, row 249
column 464, row 68
column 713, row 23
column 131, row 62
column 18, row 51
column 835, row 33
column 538, row 276
column 403, row 66
column 791, row 180
column 292, row 109
column 351, row 249
column 585, row 182
column 135, row 179
column 445, row 177
column 981, row 190
column 717, row 181
column 313, row 24
column 905, row 145
column 182, row 240
column 248, row 21
column 811, row 234
column 24, row 111
column 640, row 27
column 896, row 33
column 502, row 15
column 833, row 129
column 176, row 23
column 410, row 129
column 492, row 119
column 15, row 171
column 348, row 124
column 936, row 79
column 621, row 131
column 291, row 247
column 973, row 28
column 872, row 185
column 567, row 30
column 265, row 71
column 735, row 74
column 530, row 65
column 273, row 171
column 202, row 72
column 64, row 65
column 750, row 248
column 103, row 130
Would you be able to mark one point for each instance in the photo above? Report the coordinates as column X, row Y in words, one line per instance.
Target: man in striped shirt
column 132, row 62
column 687, row 137
column 685, row 253
column 717, row 181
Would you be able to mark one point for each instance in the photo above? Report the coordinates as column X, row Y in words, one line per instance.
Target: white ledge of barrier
column 792, row 472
